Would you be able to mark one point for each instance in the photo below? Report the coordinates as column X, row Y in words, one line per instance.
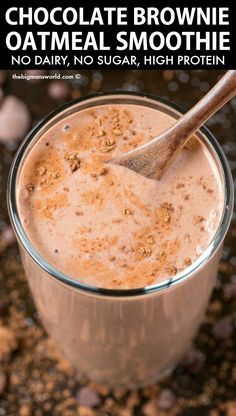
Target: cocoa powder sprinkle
column 74, row 161
column 145, row 251
column 117, row 132
column 101, row 133
column 42, row 170
column 171, row 270
column 164, row 213
column 187, row 262
column 199, row 218
column 127, row 211
column 30, row 187
column 107, row 145
column 150, row 239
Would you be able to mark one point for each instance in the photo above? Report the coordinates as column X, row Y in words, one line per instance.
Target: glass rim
column 69, row 281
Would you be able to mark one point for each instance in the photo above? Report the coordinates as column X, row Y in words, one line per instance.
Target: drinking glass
column 130, row 337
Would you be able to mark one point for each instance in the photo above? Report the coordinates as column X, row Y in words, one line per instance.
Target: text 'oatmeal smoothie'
column 105, row 225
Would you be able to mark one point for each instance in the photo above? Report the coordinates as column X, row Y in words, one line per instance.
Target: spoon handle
column 223, row 91
column 153, row 158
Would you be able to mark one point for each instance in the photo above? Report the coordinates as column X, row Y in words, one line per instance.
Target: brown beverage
column 105, row 226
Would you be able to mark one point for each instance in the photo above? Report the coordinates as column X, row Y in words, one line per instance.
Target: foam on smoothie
column 105, row 225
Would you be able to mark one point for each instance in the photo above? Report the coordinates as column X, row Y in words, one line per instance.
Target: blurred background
column 34, row 378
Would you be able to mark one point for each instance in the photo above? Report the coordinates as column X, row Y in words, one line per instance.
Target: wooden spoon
column 153, row 158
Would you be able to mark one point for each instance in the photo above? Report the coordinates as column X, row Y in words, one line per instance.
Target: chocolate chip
column 88, row 397
column 8, row 237
column 166, row 400
column 8, row 343
column 59, row 90
column 223, row 328
column 14, row 119
column 194, row 360
column 229, row 290
column 3, row 382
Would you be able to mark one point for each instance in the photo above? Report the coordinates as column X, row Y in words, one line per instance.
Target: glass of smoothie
column 121, row 267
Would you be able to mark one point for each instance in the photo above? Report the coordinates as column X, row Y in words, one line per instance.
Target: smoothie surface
column 105, row 225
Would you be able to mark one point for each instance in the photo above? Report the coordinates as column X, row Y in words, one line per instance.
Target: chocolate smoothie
column 105, row 225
